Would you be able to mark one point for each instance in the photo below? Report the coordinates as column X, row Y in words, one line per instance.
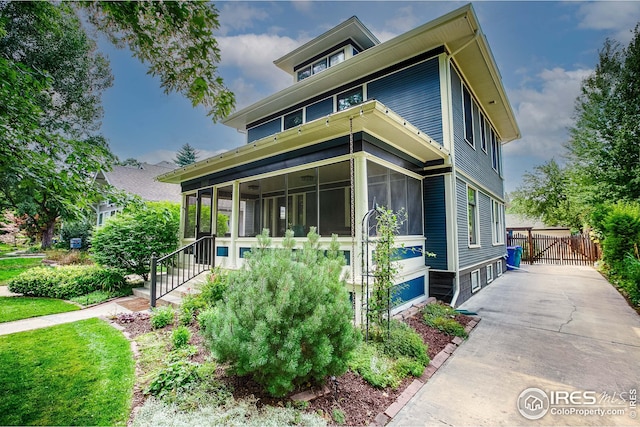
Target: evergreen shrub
column 286, row 317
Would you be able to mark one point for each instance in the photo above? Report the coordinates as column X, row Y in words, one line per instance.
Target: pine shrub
column 286, row 316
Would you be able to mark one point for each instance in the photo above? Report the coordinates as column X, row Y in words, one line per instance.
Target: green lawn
column 10, row 268
column 79, row 373
column 16, row 308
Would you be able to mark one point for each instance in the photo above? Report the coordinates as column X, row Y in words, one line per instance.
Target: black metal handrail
column 177, row 268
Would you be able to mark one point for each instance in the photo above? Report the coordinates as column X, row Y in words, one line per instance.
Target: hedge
column 67, row 281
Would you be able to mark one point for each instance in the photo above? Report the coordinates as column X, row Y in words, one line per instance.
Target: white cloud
column 239, row 16
column 618, row 17
column 253, row 55
column 545, row 113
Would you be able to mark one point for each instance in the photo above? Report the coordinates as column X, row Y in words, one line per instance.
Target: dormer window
column 336, row 58
column 321, row 64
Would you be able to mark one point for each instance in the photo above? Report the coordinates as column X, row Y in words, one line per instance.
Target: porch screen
column 398, row 192
column 314, row 197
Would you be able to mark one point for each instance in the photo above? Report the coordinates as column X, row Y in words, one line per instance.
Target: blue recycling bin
column 514, row 255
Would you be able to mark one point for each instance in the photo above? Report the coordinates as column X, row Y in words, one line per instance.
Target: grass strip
column 10, row 268
column 79, row 373
column 16, row 308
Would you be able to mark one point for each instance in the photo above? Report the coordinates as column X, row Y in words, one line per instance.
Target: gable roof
column 142, row 181
column 460, row 34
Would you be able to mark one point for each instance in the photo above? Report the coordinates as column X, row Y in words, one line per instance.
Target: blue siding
column 474, row 162
column 435, row 221
column 413, row 93
column 408, row 290
column 486, row 251
column 319, row 109
column 265, row 129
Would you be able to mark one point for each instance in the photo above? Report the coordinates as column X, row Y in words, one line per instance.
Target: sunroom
column 327, row 174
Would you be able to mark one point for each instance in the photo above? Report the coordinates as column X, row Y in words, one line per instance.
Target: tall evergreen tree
column 186, row 155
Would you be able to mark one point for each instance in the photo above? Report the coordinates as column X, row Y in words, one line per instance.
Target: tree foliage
column 128, row 240
column 545, row 195
column 50, row 156
column 286, row 316
column 176, row 40
column 51, row 82
column 604, row 149
column 186, row 155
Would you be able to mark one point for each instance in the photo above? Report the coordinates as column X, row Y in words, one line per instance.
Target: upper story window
column 468, row 115
column 472, row 216
column 321, row 64
column 495, row 161
column 349, row 98
column 483, row 133
column 293, row 119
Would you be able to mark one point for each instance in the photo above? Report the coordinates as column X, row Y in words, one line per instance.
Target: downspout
column 454, row 179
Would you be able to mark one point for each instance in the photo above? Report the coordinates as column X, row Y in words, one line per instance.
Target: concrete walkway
column 102, row 310
column 555, row 328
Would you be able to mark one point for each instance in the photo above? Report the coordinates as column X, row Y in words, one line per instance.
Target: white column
column 235, row 215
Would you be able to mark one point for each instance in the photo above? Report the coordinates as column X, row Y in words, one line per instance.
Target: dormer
column 327, row 50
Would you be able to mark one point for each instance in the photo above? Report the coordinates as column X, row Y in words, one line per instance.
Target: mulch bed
column 358, row 400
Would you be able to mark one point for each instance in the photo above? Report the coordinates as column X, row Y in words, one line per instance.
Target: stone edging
column 384, row 417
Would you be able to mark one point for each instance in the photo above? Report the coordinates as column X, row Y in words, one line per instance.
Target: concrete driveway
column 560, row 329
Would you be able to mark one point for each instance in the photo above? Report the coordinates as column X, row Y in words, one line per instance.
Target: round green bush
column 286, row 317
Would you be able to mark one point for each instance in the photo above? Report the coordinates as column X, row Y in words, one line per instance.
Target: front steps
column 174, row 297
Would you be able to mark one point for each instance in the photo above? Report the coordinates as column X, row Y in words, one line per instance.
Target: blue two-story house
column 415, row 123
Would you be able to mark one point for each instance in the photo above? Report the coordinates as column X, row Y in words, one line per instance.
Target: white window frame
column 468, row 138
column 476, row 228
column 478, row 284
column 499, row 268
column 327, row 59
column 495, row 152
column 484, row 126
column 489, row 273
column 497, row 222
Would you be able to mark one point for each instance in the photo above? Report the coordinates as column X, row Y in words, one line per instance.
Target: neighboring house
column 518, row 224
column 139, row 180
column 415, row 123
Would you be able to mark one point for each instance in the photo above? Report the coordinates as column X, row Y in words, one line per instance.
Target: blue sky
column 543, row 50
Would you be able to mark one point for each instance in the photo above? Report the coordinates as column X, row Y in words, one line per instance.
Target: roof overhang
column 460, row 34
column 371, row 117
column 351, row 29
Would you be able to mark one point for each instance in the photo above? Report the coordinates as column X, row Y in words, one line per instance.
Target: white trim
column 489, row 276
column 497, row 211
column 478, row 286
column 392, row 166
column 464, row 115
column 476, row 230
column 468, row 179
column 499, row 268
column 481, row 263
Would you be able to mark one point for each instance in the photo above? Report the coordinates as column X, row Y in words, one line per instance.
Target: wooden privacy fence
column 569, row 250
